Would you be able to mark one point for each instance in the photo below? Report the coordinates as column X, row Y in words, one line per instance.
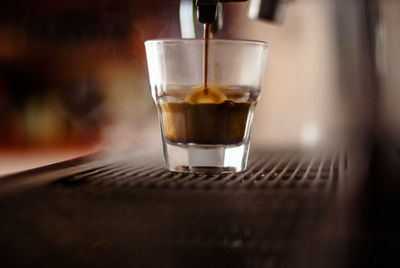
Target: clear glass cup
column 205, row 131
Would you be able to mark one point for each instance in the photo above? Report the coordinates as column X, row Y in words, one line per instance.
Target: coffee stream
column 206, row 94
column 205, row 56
column 210, row 114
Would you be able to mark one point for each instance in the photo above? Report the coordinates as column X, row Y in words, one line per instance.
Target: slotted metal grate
column 283, row 169
column 133, row 212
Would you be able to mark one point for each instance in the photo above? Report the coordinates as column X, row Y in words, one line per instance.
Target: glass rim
column 195, row 40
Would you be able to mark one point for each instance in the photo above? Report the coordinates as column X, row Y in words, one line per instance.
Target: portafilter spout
column 268, row 10
column 208, row 12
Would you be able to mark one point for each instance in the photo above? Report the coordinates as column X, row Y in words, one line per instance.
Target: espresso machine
column 328, row 204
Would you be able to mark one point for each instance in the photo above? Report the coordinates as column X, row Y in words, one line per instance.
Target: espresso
column 220, row 118
column 208, row 114
column 205, row 55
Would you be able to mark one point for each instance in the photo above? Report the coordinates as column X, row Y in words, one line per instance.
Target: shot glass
column 205, row 129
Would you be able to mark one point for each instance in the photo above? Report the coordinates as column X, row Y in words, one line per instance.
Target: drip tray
column 127, row 210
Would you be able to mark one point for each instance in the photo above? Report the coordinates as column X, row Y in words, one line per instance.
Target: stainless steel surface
column 268, row 10
column 281, row 212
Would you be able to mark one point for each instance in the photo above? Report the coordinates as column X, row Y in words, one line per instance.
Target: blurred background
column 73, row 74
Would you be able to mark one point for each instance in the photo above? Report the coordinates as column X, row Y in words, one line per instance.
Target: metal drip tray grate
column 265, row 170
column 129, row 211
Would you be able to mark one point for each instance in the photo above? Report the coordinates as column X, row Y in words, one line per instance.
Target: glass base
column 200, row 158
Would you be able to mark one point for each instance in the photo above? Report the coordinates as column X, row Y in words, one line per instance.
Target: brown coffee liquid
column 209, row 114
column 206, row 91
column 205, row 55
column 221, row 121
